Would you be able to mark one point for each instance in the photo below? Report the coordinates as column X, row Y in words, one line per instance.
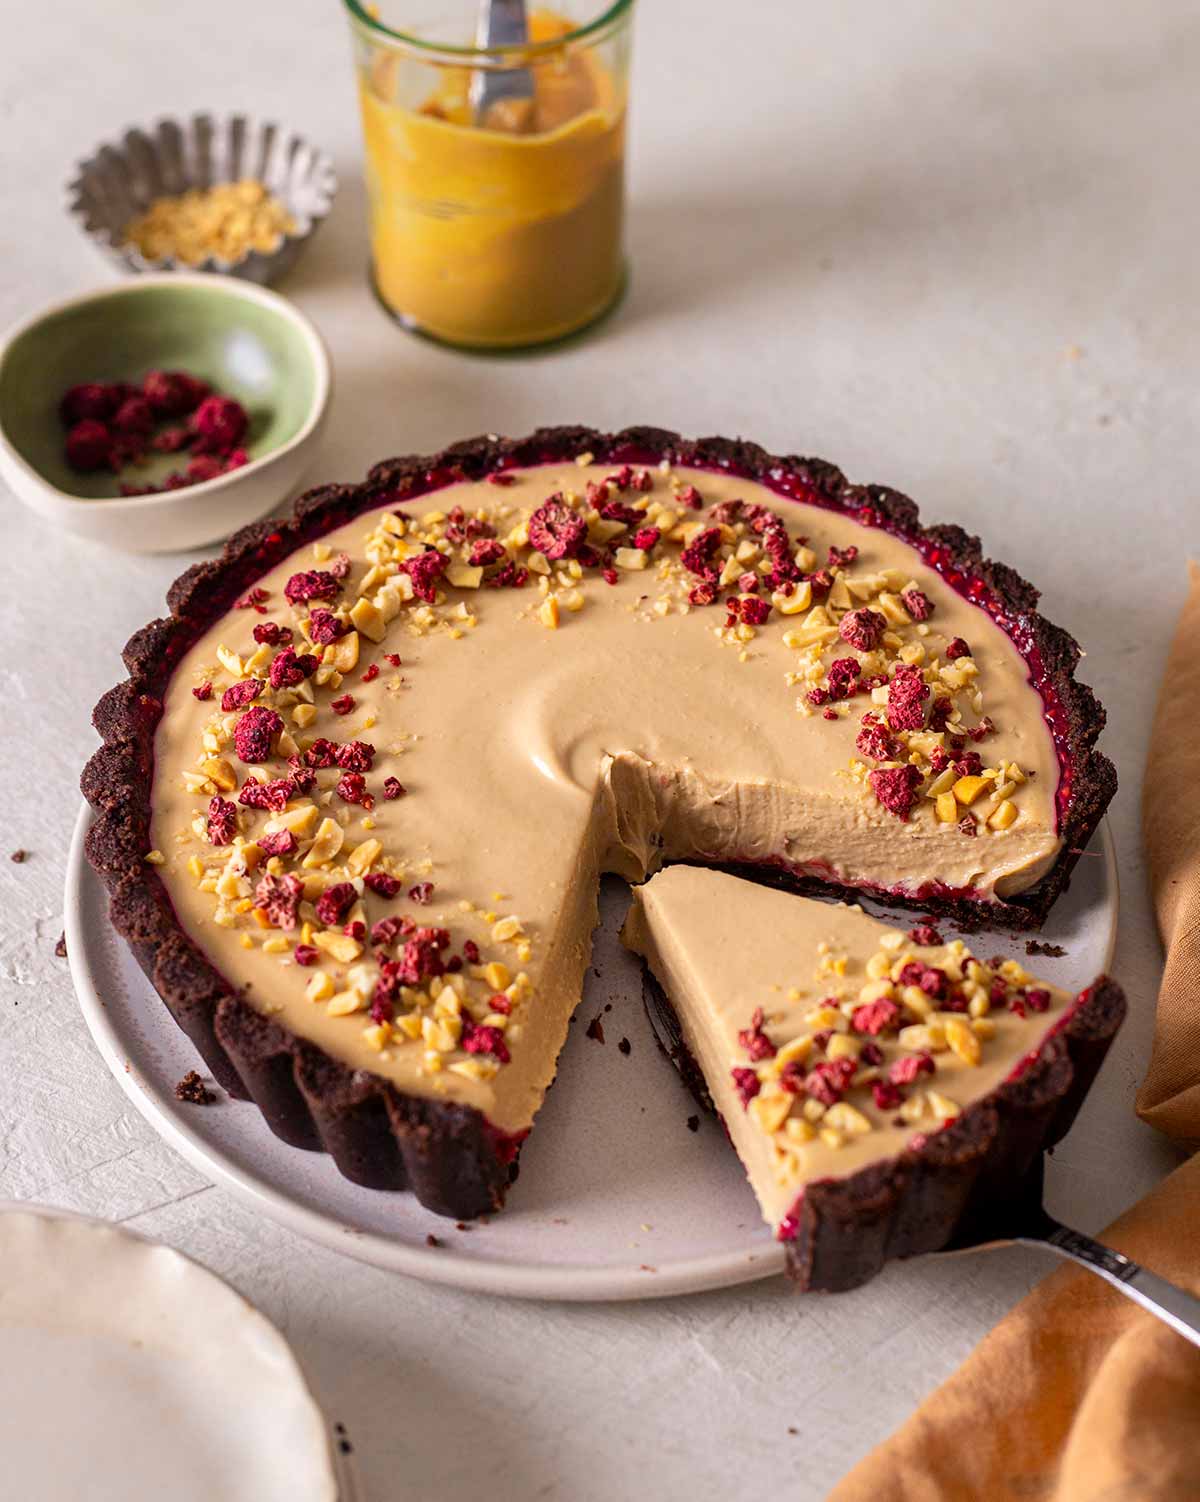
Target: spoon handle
column 1170, row 1303
column 501, row 23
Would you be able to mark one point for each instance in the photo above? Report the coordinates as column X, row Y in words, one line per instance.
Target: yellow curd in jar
column 506, row 232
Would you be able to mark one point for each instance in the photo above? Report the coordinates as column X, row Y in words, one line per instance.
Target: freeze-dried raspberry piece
column 969, row 764
column 311, row 584
column 355, row 756
column 88, row 445
column 325, row 627
column 133, row 418
column 698, row 556
column 754, row 1041
column 618, row 511
column 753, row 611
column 91, row 400
column 238, row 695
column 322, row 753
column 202, row 692
column 875, row 741
column 844, row 680
column 689, row 496
column 393, row 788
column 820, row 583
column 507, row 576
column 748, row 584
column 917, row 603
column 925, row 933
column 335, row 902
column 272, row 633
column 253, row 598
column 886, row 1095
column 382, row 884
column 476, row 1038
column 487, row 551
column 908, row 1069
column 352, row 787
column 422, row 893
column 1038, row 1000
column 984, row 728
column 876, row 1017
column 929, row 978
column 287, row 669
column 896, row 788
column 870, row 1054
column 203, row 467
column 272, row 796
column 863, row 628
column 339, row 565
column 829, row 1080
column 343, row 705
column 700, row 594
column 425, row 569
column 421, row 958
column 173, row 393
column 282, row 843
column 255, row 734
column 555, row 530
column 646, row 538
column 747, row 1085
column 725, row 513
column 388, row 929
column 907, row 693
column 222, row 821
column 499, row 477
column 957, row 648
column 839, row 557
column 170, row 440
column 382, row 1008
column 968, row 826
column 219, row 424
column 471, row 951
column 279, row 897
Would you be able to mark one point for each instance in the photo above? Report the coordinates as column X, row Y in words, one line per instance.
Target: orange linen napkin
column 1077, row 1395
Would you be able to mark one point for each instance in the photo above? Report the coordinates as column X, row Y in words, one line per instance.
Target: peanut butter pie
column 356, row 795
column 878, row 1083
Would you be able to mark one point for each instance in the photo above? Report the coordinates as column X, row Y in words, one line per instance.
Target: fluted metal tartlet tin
column 120, row 180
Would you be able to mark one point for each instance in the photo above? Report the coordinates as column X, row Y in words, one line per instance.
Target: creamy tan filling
column 721, row 947
column 536, row 758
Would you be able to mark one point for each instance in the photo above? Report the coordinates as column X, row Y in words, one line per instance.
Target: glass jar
column 495, row 179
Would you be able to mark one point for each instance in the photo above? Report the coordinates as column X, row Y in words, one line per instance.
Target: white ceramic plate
column 617, row 1198
column 132, row 1374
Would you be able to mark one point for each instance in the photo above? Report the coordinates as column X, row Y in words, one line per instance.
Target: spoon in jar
column 502, row 98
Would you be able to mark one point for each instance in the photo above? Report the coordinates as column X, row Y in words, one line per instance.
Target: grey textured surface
column 950, row 249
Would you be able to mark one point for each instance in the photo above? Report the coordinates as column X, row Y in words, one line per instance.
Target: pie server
column 1026, row 1222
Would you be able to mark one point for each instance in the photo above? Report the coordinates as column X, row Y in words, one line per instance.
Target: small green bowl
column 246, row 342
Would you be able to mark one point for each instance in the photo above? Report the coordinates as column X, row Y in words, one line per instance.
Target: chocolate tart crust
column 449, row 1155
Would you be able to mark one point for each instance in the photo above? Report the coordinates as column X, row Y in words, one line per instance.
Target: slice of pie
column 358, row 790
column 878, row 1083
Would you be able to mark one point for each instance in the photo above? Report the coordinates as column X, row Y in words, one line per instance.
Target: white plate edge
column 337, row 1476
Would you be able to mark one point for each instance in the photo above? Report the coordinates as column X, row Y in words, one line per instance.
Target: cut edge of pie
column 456, row 1161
